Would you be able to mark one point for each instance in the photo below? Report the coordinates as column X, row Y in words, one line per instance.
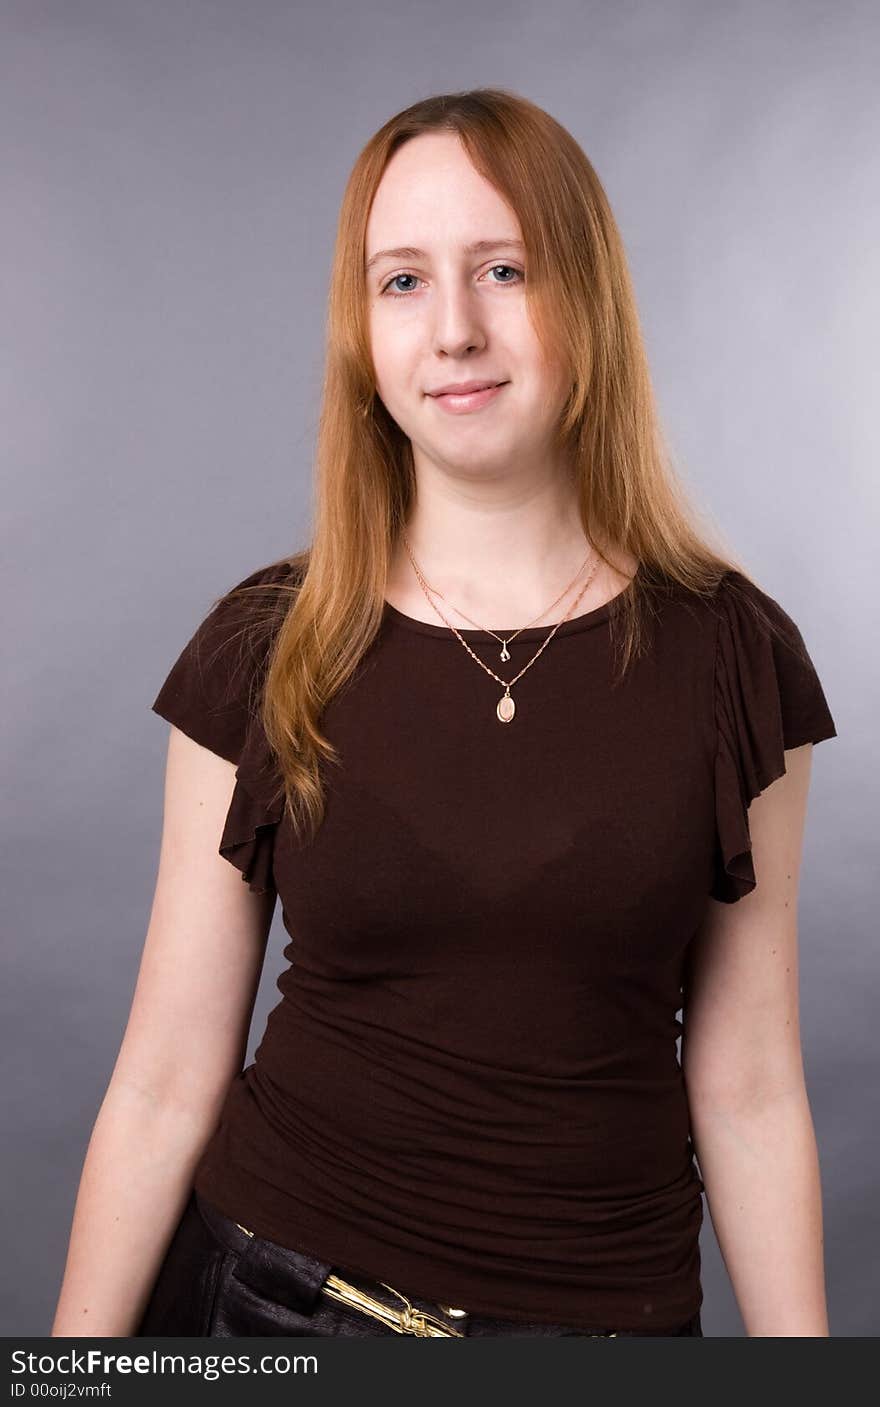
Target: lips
column 464, row 388
column 467, row 402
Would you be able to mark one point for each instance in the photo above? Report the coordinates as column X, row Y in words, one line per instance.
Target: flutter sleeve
column 767, row 698
column 212, row 694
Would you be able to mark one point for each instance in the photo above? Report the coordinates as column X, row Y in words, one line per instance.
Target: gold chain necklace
column 505, row 708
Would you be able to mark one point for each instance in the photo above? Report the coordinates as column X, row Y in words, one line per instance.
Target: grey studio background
column 171, row 175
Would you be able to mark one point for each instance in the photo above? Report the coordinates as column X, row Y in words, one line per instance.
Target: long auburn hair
column 581, row 301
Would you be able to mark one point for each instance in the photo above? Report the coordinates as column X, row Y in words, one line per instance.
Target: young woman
column 526, row 761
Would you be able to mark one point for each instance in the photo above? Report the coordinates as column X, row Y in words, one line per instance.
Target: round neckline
column 532, row 632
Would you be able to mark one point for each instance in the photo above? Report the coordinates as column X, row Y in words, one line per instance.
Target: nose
column 458, row 325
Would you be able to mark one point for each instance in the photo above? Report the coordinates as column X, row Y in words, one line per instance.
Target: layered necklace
column 505, row 709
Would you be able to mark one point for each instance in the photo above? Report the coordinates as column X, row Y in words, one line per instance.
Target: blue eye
column 386, row 287
column 394, row 280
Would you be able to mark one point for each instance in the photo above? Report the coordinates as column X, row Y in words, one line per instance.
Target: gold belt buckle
column 407, row 1320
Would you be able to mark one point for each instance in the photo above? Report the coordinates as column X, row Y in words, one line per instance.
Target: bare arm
column 743, row 1066
column 184, row 1042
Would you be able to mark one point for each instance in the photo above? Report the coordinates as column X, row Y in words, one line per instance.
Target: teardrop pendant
column 505, row 653
column 506, row 707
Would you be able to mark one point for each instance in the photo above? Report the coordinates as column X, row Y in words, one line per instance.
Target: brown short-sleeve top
column 470, row 1087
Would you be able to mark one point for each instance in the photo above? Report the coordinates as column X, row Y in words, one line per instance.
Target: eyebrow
column 406, row 251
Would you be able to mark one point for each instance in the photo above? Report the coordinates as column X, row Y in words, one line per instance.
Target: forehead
column 430, row 195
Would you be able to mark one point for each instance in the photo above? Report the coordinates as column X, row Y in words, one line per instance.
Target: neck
column 505, row 563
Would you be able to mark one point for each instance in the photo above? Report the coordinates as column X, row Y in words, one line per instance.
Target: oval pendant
column 506, row 708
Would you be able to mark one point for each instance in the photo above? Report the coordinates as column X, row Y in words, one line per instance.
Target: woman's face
column 440, row 313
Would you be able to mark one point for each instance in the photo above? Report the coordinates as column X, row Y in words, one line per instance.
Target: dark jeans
column 218, row 1282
